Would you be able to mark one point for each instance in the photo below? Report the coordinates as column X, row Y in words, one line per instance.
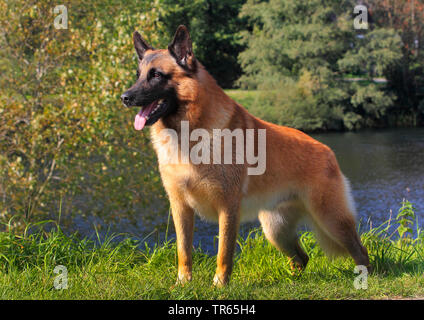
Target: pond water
column 383, row 166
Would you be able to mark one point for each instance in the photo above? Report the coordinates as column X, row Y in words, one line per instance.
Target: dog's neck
column 210, row 108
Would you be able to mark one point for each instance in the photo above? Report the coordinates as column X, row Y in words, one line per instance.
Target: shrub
column 65, row 137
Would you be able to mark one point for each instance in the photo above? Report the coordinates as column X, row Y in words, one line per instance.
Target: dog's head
column 164, row 78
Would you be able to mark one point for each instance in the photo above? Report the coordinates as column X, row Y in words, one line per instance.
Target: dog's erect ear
column 181, row 49
column 140, row 45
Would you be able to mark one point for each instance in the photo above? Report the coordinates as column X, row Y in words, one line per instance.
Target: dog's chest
column 197, row 192
column 184, row 179
column 165, row 142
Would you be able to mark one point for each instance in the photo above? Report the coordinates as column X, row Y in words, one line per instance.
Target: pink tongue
column 141, row 117
column 139, row 121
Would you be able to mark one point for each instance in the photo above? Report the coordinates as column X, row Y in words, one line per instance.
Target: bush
column 66, row 140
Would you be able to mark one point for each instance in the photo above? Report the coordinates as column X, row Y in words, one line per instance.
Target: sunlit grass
column 110, row 269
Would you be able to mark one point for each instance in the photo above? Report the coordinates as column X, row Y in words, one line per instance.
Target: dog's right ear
column 140, row 45
column 181, row 49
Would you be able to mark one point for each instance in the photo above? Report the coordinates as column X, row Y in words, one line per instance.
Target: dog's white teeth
column 159, row 104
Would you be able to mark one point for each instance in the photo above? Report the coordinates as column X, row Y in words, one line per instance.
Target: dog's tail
column 328, row 237
column 331, row 248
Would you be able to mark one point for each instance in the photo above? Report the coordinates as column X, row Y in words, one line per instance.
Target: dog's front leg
column 228, row 229
column 183, row 217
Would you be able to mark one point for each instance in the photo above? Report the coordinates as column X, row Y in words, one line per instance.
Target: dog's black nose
column 125, row 99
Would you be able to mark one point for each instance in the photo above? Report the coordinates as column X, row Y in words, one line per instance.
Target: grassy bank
column 109, row 269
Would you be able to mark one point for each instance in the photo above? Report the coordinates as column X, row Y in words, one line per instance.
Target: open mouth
column 150, row 114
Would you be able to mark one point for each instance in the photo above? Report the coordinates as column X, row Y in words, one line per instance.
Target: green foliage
column 289, row 36
column 406, row 78
column 374, row 54
column 405, row 218
column 64, row 134
column 310, row 49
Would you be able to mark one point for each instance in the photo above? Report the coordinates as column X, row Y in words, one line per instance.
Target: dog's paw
column 183, row 278
column 219, row 281
column 296, row 269
column 181, row 281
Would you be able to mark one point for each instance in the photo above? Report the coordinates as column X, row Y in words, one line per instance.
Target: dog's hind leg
column 280, row 229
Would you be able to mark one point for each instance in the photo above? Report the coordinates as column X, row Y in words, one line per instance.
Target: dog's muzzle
column 126, row 99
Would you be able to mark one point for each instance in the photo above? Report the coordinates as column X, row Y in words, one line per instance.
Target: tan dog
column 302, row 179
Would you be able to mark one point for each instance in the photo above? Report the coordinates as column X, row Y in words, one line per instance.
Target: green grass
column 110, row 269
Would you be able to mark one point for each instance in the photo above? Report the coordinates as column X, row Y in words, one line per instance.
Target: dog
column 302, row 180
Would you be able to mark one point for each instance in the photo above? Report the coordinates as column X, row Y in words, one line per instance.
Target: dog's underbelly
column 250, row 206
column 202, row 207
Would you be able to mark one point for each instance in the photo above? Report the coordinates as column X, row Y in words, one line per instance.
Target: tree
column 313, row 43
column 407, row 77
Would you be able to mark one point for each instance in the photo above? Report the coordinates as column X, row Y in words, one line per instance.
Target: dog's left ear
column 140, row 45
column 181, row 49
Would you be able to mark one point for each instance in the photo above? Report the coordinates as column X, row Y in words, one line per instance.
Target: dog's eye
column 155, row 74
column 138, row 74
